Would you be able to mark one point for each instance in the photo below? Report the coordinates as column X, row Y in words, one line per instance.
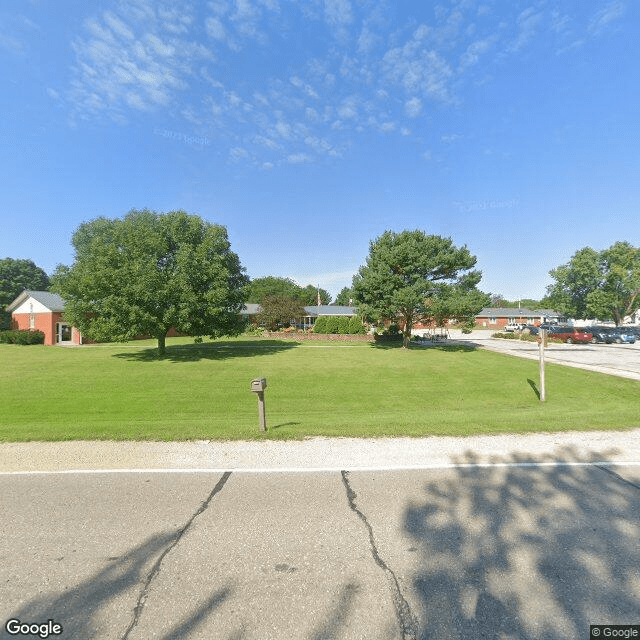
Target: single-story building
column 312, row 313
column 496, row 317
column 43, row 311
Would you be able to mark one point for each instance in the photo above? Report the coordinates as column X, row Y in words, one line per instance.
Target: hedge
column 19, row 336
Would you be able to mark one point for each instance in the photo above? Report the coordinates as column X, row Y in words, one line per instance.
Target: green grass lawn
column 202, row 392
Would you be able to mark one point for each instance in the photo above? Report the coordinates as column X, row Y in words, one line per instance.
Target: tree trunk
column 161, row 344
column 406, row 340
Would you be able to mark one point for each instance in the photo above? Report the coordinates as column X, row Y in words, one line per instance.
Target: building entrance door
column 63, row 333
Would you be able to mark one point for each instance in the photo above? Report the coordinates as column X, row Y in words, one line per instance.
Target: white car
column 513, row 326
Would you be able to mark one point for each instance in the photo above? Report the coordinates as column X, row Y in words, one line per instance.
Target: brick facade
column 45, row 322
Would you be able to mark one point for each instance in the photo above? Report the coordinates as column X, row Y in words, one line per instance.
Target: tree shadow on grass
column 213, row 351
column 525, row 550
column 437, row 346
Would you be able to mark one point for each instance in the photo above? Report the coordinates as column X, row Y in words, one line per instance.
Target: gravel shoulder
column 322, row 453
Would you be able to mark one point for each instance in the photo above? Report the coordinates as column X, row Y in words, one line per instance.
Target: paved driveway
column 615, row 359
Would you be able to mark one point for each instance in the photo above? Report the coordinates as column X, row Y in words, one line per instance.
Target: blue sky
column 309, row 128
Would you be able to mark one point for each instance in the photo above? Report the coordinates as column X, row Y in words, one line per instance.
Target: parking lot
column 615, row 359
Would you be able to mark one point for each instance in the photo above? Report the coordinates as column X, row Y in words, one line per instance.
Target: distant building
column 312, row 313
column 496, row 317
column 43, row 311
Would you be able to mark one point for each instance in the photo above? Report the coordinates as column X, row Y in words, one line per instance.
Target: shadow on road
column 337, row 619
column 84, row 609
column 526, row 551
column 214, row 351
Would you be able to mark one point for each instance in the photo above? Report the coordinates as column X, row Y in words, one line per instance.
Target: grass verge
column 124, row 392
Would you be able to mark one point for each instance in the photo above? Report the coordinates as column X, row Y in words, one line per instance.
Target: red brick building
column 43, row 311
column 497, row 317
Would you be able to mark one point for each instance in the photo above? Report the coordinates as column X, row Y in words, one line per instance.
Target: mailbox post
column 258, row 385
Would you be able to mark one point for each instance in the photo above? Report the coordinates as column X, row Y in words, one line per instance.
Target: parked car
column 633, row 329
column 600, row 334
column 621, row 335
column 569, row 334
column 513, row 326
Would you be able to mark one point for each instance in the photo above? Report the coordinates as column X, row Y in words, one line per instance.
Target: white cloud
column 418, row 70
column 215, row 29
column 118, row 26
column 413, row 107
column 238, row 153
column 528, row 23
column 473, row 52
column 376, row 75
column 283, row 129
column 338, row 15
column 348, row 110
column 607, row 15
column 298, row 158
column 116, row 72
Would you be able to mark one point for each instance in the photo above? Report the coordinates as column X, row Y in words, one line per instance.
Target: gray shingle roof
column 52, row 301
column 252, row 308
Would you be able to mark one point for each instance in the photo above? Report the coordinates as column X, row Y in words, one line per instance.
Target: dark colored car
column 633, row 329
column 621, row 335
column 532, row 329
column 600, row 334
column 569, row 334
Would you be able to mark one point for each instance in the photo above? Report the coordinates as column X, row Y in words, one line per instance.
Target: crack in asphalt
column 618, row 476
column 142, row 598
column 406, row 619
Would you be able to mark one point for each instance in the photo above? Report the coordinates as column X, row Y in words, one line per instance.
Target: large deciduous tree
column 258, row 288
column 287, row 288
column 148, row 272
column 602, row 284
column 15, row 276
column 310, row 295
column 345, row 297
column 279, row 311
column 411, row 276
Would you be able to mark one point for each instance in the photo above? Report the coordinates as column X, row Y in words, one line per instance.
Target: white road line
column 471, row 465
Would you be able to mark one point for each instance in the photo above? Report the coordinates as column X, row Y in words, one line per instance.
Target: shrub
column 332, row 325
column 356, row 327
column 343, row 325
column 255, row 331
column 320, row 325
column 19, row 336
column 526, row 337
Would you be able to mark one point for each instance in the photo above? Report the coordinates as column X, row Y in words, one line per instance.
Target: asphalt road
column 518, row 549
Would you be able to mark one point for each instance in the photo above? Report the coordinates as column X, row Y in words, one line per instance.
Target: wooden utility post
column 543, row 334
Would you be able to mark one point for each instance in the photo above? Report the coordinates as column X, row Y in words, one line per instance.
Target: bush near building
column 343, row 325
column 18, row 336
